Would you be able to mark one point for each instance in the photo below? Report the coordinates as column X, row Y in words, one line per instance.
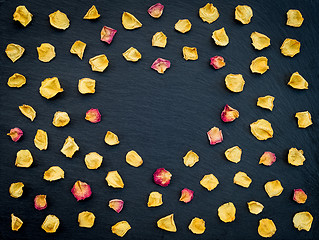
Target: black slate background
column 161, row 117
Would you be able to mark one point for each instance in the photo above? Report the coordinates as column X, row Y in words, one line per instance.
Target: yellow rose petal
column 273, row 188
column 183, row 25
column 304, row 119
column 243, row 13
column 114, row 179
column 41, row 140
column 130, row 22
column 262, row 129
column 16, row 80
column 209, row 182
column 59, row 20
column 50, row 87
column 14, row 51
column 220, row 37
column 266, row 102
column 235, row 82
column 69, row 147
column 227, row 212
column 167, row 223
column 208, row 13
column 78, row 48
column 233, row 154
column 132, row 55
column 22, row 15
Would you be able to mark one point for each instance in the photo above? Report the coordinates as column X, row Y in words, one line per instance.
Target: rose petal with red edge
column 116, row 205
column 107, row 34
column 160, row 65
column 40, row 202
column 299, row 196
column 229, row 114
column 93, row 115
column 15, row 134
column 217, row 62
column 187, row 195
column 81, row 190
column 156, row 10
column 268, row 158
column 215, row 136
column 162, row 177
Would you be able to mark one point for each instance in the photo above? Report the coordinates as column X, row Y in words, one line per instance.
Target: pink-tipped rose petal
column 215, row 136
column 162, row 177
column 299, row 196
column 229, row 114
column 15, row 134
column 268, row 158
column 156, row 10
column 81, row 190
column 217, row 62
column 116, row 205
column 107, row 34
column 187, row 195
column 93, row 115
column 160, row 65
column 40, row 202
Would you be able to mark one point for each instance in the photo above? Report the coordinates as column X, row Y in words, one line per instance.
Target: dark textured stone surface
column 161, row 117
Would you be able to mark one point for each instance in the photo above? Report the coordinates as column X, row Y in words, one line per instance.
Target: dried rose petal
column 93, row 115
column 160, row 65
column 40, row 202
column 217, row 62
column 107, row 34
column 215, row 136
column 268, row 158
column 299, row 196
column 15, row 134
column 156, row 10
column 81, row 190
column 229, row 114
column 187, row 195
column 116, row 205
column 162, row 177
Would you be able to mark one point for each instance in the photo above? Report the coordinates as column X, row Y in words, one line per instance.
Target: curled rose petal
column 262, row 129
column 107, row 34
column 229, row 114
column 17, row 80
column 190, row 158
column 268, row 158
column 243, row 13
column 155, row 199
column 227, row 212
column 209, row 182
column 186, row 195
column 121, row 228
column 290, row 47
column 81, row 190
column 167, row 223
column 255, row 207
column 99, row 63
column 208, row 13
column 15, row 134
column 14, row 51
column 303, row 221
column 162, row 177
column 78, row 48
column 40, row 202
column 69, row 147
column 156, row 10
column 116, row 205
column 273, row 188
column 294, row 18
column 50, row 224
column 299, row 196
column 160, row 65
column 296, row 157
column 220, row 37
column 93, row 115
column 114, row 179
column 197, row 226
column 215, row 136
column 92, row 13
column 16, row 189
column 16, row 223
column 111, row 138
column 266, row 228
column 86, row 219
column 183, row 25
column 217, row 62
column 24, row 16
column 130, row 22
column 304, row 119
column 59, row 20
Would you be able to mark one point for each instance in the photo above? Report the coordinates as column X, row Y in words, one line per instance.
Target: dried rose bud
column 40, row 202
column 187, row 195
column 156, row 10
column 229, row 114
column 15, row 134
column 93, row 115
column 81, row 190
column 299, row 196
column 162, row 177
column 268, row 158
column 215, row 136
column 160, row 65
column 116, row 205
column 107, row 34
column 217, row 62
